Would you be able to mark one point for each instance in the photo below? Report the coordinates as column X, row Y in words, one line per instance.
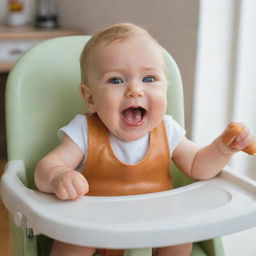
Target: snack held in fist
column 229, row 138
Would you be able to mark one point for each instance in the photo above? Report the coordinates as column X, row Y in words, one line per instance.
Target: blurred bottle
column 20, row 12
column 3, row 11
column 46, row 14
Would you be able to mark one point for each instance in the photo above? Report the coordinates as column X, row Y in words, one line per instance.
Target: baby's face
column 128, row 86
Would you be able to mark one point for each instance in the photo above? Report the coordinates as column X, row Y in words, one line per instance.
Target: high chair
column 42, row 96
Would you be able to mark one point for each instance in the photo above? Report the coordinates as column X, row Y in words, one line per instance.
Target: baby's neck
column 144, row 137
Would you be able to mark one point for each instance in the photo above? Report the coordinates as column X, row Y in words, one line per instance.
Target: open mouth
column 134, row 116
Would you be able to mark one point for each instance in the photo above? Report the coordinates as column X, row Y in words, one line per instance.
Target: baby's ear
column 88, row 97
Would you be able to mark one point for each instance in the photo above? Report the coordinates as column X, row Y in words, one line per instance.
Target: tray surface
column 200, row 211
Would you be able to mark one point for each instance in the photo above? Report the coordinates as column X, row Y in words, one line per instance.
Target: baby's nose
column 134, row 91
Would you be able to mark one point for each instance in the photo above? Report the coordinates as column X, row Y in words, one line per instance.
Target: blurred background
column 212, row 41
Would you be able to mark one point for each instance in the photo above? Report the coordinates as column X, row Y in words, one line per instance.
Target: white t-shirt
column 129, row 152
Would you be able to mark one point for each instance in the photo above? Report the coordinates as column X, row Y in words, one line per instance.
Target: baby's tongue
column 133, row 115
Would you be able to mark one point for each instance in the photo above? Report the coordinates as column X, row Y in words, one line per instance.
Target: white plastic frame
column 200, row 211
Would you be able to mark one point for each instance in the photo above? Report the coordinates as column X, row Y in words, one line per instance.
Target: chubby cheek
column 107, row 109
column 159, row 104
column 106, row 103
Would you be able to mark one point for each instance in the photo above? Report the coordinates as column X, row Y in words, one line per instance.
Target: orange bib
column 108, row 176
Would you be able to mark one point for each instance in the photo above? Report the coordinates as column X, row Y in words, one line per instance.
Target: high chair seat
column 42, row 95
column 200, row 211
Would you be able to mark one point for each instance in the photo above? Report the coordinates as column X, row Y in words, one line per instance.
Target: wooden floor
column 4, row 222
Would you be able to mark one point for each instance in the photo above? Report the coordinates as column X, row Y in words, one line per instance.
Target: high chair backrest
column 43, row 95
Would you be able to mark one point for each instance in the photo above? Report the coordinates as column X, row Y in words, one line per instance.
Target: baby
column 125, row 144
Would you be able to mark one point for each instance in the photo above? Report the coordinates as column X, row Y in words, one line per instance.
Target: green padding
column 197, row 251
column 138, row 252
column 42, row 95
column 213, row 247
column 21, row 244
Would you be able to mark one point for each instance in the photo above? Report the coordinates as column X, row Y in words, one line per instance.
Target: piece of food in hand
column 233, row 130
column 251, row 149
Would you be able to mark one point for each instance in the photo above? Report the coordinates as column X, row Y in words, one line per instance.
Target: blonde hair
column 108, row 35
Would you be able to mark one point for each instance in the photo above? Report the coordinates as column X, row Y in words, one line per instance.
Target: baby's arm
column 207, row 162
column 56, row 173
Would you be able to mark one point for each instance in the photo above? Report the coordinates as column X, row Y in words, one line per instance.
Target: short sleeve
column 77, row 131
column 175, row 132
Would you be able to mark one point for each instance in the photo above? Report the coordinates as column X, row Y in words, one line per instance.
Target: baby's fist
column 70, row 185
column 238, row 137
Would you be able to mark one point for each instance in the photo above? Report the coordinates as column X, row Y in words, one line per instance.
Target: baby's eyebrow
column 111, row 71
column 122, row 70
column 150, row 69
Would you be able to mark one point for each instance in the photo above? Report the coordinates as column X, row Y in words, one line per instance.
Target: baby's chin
column 130, row 136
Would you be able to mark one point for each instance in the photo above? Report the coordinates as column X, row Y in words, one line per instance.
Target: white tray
column 200, row 211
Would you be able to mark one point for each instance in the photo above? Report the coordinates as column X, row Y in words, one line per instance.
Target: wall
column 216, row 61
column 225, row 75
column 172, row 22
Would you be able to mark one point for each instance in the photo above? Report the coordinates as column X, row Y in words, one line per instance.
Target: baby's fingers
column 76, row 188
column 238, row 137
column 70, row 185
column 243, row 140
column 65, row 191
column 81, row 186
column 71, row 191
column 61, row 193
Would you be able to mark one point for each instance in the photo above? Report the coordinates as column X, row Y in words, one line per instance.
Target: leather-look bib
column 108, row 176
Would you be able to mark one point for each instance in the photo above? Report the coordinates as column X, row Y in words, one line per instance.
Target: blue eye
column 116, row 80
column 148, row 79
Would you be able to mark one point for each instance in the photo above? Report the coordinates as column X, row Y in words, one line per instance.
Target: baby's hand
column 238, row 137
column 70, row 185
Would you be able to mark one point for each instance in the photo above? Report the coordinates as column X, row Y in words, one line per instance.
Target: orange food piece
column 230, row 134
column 251, row 149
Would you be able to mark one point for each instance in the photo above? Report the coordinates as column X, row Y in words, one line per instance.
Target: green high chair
column 42, row 96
